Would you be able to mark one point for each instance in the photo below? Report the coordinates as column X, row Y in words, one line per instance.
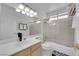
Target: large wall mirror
column 23, row 26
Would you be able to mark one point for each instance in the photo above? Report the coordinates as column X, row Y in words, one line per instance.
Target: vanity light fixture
column 25, row 9
column 63, row 16
column 38, row 22
column 53, row 18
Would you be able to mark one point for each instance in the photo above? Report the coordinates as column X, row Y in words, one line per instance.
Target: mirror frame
column 23, row 26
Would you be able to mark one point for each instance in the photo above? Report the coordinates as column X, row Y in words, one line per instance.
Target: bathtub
column 48, row 47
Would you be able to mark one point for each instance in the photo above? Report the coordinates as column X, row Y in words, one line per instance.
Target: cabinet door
column 24, row 52
column 37, row 52
column 36, row 49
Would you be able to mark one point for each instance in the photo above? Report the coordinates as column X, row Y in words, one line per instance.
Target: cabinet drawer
column 35, row 47
column 24, row 52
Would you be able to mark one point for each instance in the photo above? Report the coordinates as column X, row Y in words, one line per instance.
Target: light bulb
column 31, row 11
column 38, row 21
column 27, row 14
column 18, row 10
column 35, row 13
column 21, row 6
column 27, row 9
column 62, row 17
column 23, row 12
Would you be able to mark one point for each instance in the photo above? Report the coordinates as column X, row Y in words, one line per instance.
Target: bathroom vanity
column 34, row 50
column 28, row 47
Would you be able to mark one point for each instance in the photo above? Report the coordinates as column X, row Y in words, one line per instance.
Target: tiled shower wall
column 61, row 33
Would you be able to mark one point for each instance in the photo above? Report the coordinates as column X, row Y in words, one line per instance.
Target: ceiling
column 41, row 8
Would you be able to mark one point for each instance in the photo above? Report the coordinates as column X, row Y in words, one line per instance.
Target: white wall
column 76, row 24
column 9, row 20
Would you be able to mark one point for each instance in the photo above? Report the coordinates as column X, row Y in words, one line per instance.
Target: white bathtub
column 47, row 46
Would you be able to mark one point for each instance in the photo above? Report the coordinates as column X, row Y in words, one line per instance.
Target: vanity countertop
column 13, row 47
